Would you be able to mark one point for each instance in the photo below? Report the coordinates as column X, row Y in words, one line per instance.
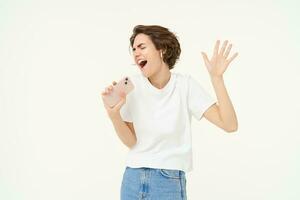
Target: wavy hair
column 162, row 39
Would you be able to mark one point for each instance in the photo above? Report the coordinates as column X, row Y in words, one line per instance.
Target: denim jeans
column 153, row 184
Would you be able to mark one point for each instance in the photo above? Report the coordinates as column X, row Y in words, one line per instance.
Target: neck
column 161, row 78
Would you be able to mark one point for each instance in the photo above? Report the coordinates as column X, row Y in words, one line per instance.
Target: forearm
column 123, row 131
column 227, row 112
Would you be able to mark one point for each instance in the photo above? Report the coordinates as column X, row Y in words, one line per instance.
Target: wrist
column 216, row 78
column 115, row 117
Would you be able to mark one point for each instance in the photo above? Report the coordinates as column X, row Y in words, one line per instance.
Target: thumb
column 205, row 58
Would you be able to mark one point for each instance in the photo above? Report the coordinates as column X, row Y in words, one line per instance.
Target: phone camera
column 126, row 79
column 126, row 82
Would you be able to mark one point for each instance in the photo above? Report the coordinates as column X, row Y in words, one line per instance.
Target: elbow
column 231, row 129
column 131, row 145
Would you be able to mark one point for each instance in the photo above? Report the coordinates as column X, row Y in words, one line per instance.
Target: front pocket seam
column 167, row 175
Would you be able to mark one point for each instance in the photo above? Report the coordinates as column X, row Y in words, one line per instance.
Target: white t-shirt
column 162, row 121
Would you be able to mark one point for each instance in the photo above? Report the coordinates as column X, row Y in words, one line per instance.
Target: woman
column 154, row 119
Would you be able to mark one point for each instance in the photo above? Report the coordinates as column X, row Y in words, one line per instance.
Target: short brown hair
column 163, row 39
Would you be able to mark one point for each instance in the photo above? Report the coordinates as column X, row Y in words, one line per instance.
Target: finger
column 104, row 92
column 120, row 103
column 105, row 105
column 216, row 49
column 232, row 57
column 110, row 87
column 205, row 58
column 223, row 47
column 227, row 51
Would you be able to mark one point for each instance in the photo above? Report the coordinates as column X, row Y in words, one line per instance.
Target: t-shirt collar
column 163, row 90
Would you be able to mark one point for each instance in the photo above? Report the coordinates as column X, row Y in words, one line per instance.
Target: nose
column 136, row 54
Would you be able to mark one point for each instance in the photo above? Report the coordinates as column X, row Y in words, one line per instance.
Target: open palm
column 219, row 62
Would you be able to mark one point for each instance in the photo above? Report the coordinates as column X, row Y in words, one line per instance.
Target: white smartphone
column 124, row 85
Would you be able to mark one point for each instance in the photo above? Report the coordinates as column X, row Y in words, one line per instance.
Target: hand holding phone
column 112, row 94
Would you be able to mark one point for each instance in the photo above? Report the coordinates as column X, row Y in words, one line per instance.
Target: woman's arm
column 125, row 131
column 222, row 115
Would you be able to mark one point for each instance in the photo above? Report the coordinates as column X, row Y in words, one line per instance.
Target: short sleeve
column 198, row 98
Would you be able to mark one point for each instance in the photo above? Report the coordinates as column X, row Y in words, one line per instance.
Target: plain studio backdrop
column 56, row 57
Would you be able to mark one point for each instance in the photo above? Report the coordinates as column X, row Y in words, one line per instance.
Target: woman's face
column 146, row 56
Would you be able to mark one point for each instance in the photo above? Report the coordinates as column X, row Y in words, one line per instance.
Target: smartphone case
column 124, row 85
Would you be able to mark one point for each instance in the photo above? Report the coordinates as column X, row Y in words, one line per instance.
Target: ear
column 162, row 52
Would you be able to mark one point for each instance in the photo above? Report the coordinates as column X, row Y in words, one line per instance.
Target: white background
column 56, row 57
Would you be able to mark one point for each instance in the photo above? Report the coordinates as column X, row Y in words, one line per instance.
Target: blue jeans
column 153, row 184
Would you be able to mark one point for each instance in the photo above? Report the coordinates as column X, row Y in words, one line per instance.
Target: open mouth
column 142, row 63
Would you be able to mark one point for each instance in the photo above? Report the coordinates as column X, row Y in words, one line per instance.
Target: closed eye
column 140, row 48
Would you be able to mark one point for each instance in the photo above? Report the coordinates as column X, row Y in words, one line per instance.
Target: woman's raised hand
column 219, row 61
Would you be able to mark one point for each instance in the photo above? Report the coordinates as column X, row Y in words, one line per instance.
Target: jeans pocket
column 170, row 173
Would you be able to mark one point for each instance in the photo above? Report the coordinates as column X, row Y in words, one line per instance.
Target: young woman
column 154, row 120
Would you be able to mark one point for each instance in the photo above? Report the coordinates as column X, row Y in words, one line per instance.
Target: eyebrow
column 138, row 45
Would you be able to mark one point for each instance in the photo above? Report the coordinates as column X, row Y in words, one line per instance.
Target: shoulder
column 183, row 78
column 188, row 82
